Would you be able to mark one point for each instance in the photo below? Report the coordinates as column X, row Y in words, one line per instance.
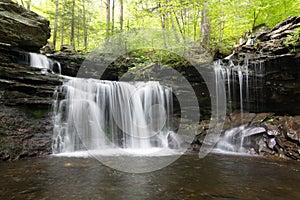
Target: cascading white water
column 42, row 62
column 99, row 115
column 39, row 61
column 238, row 76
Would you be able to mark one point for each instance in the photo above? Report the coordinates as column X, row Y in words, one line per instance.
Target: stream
column 216, row 176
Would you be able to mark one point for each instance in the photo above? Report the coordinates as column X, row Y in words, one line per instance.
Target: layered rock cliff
column 22, row 28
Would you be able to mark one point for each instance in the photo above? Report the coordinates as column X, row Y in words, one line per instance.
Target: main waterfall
column 98, row 115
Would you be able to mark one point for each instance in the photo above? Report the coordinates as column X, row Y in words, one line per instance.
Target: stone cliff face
column 25, row 131
column 274, row 68
column 26, row 96
column 22, row 28
column 26, row 93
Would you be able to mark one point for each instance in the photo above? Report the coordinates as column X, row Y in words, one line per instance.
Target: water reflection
column 214, row 177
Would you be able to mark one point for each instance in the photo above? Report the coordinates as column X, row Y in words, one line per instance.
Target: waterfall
column 244, row 89
column 45, row 64
column 100, row 115
column 39, row 61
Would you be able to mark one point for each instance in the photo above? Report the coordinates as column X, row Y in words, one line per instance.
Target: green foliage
column 228, row 20
column 144, row 57
column 292, row 41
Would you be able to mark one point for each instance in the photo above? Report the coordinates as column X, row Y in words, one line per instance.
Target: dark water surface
column 214, row 177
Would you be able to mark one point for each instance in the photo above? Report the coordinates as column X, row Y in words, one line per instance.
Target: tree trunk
column 179, row 26
column 28, row 4
column 72, row 38
column 84, row 26
column 22, row 3
column 62, row 32
column 113, row 17
column 121, row 14
column 174, row 28
column 107, row 18
column 55, row 24
column 205, row 24
column 195, row 24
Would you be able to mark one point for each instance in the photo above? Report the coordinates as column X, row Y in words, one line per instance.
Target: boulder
column 22, row 28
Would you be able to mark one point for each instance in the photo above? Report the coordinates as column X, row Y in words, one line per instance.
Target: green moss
column 38, row 113
column 292, row 41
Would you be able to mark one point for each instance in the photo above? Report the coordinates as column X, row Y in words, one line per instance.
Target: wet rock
column 24, row 132
column 262, row 134
column 22, row 28
column 292, row 129
column 272, row 42
column 271, row 143
column 244, row 118
column 260, row 117
column 26, row 85
column 200, row 135
column 47, row 49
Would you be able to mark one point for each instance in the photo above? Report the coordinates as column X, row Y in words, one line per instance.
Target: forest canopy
column 216, row 24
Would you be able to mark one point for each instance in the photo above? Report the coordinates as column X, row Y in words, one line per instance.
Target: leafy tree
column 217, row 24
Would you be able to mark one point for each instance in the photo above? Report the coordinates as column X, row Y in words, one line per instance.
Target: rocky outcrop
column 282, row 40
column 22, row 28
column 26, row 96
column 271, row 61
column 24, row 85
column 265, row 134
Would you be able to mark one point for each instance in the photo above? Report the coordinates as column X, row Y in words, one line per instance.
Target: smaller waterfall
column 102, row 115
column 235, row 139
column 39, row 61
column 244, row 90
column 244, row 86
column 44, row 63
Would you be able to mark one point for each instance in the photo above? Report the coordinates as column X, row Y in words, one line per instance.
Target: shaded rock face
column 273, row 66
column 22, row 28
column 26, row 96
column 21, row 85
column 24, row 132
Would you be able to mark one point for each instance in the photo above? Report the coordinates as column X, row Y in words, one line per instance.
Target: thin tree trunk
column 113, row 17
column 72, row 39
column 221, row 28
column 182, row 16
column 121, row 14
column 22, row 3
column 62, row 32
column 28, row 4
column 174, row 29
column 205, row 25
column 84, row 26
column 195, row 24
column 78, row 35
column 107, row 18
column 179, row 26
column 55, row 23
column 163, row 26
